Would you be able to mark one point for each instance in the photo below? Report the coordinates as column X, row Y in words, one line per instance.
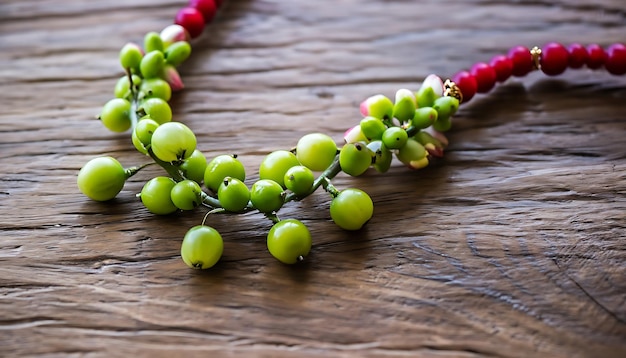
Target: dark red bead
column 616, row 59
column 577, row 55
column 466, row 83
column 208, row 8
column 485, row 77
column 596, row 56
column 191, row 19
column 503, row 66
column 522, row 61
column 554, row 59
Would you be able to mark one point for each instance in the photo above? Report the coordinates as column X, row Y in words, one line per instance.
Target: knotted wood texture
column 511, row 246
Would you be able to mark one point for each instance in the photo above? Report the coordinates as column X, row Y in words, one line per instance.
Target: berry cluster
column 409, row 128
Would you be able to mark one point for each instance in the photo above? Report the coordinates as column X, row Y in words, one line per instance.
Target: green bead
column 158, row 109
column 404, row 107
column 378, row 106
column 122, row 87
column 152, row 42
column 424, row 117
column 102, row 178
column 299, row 179
column 443, row 124
column 186, row 194
column 177, row 53
column 267, row 196
column 155, row 87
column 382, row 156
column 233, row 194
column 130, row 56
column 426, row 97
column 446, row 107
column 155, row 195
column 394, row 137
column 412, row 151
column 289, row 241
column 145, row 129
column 372, row 127
column 221, row 167
column 355, row 158
column 152, row 64
column 194, row 167
column 275, row 165
column 115, row 115
column 202, row 247
column 351, row 209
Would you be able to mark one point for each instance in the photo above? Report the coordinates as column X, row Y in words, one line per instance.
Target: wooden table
column 512, row 245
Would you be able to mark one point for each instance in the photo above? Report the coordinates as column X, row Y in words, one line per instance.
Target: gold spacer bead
column 535, row 52
column 452, row 90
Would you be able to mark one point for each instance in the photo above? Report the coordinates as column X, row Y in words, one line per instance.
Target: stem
column 330, row 188
column 129, row 172
column 273, row 217
column 210, row 201
column 171, row 169
column 133, row 102
column 328, row 174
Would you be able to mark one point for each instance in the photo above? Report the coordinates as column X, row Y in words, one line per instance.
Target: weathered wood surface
column 512, row 246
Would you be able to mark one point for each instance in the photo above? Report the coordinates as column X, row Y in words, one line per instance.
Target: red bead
column 616, row 59
column 503, row 67
column 554, row 59
column 208, row 8
column 191, row 19
column 485, row 77
column 466, row 83
column 577, row 55
column 596, row 56
column 522, row 61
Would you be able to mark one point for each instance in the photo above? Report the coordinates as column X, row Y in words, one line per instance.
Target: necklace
column 409, row 128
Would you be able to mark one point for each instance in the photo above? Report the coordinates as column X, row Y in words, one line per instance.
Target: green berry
column 194, row 167
column 145, row 129
column 426, row 97
column 130, row 56
column 152, row 42
column 355, row 158
column 394, row 137
column 115, row 115
column 221, row 167
column 137, row 143
column 316, row 151
column 404, row 107
column 158, row 109
column 372, row 127
column 155, row 195
column 424, row 117
column 378, row 106
column 202, row 247
column 267, row 196
column 233, row 194
column 289, row 241
column 351, row 209
column 173, row 141
column 446, row 107
column 122, row 87
column 299, row 180
column 275, row 165
column 411, row 153
column 152, row 64
column 382, row 156
column 177, row 53
column 186, row 194
column 156, row 87
column 102, row 178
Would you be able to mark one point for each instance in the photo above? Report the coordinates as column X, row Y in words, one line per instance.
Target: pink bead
column 208, row 8
column 191, row 19
column 503, row 66
column 577, row 55
column 485, row 77
column 596, row 56
column 467, row 84
column 554, row 59
column 522, row 61
column 616, row 59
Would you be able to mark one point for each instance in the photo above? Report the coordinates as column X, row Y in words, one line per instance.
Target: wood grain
column 511, row 246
